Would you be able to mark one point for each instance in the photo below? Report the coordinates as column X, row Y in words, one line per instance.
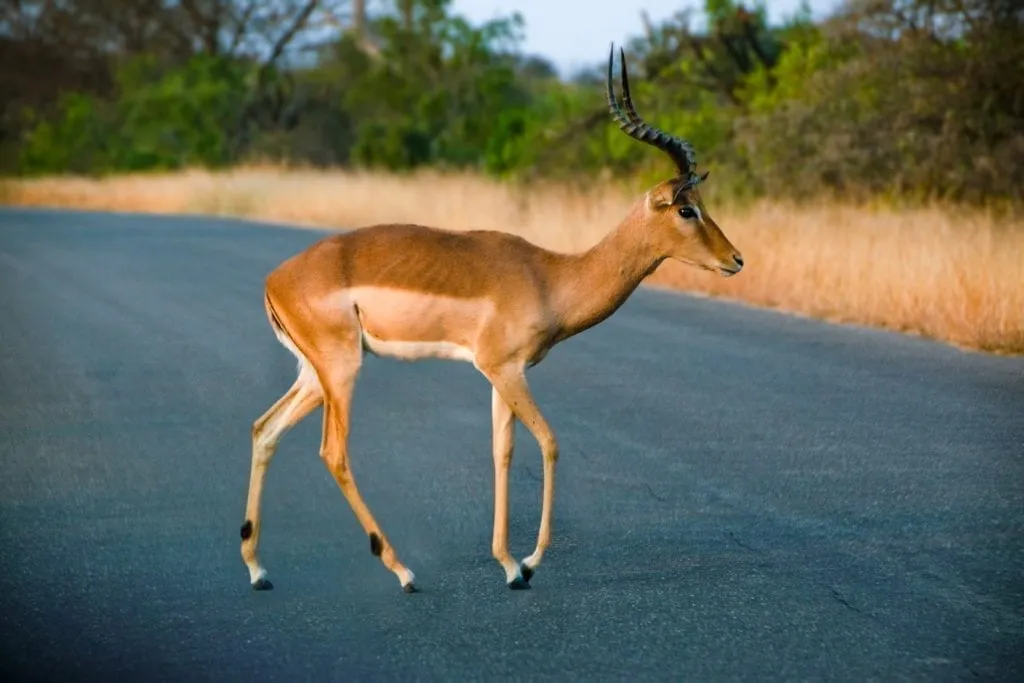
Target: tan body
column 488, row 298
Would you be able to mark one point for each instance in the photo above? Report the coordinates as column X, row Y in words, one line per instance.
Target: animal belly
column 411, row 325
column 415, row 350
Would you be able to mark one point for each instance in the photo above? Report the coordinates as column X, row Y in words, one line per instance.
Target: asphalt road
column 741, row 494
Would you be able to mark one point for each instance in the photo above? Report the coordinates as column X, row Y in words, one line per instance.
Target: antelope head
column 673, row 212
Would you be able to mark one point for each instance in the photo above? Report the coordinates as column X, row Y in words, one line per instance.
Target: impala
column 488, row 298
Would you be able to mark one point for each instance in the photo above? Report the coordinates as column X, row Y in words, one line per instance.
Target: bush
column 902, row 99
column 161, row 118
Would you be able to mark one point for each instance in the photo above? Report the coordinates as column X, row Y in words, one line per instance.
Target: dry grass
column 952, row 274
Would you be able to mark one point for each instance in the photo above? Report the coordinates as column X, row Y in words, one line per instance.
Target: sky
column 575, row 34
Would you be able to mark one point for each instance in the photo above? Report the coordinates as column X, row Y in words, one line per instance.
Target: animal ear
column 660, row 197
column 705, row 175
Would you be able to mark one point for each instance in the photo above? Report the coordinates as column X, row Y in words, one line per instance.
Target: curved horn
column 678, row 149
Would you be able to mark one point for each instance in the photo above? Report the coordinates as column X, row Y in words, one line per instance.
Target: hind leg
column 299, row 401
column 338, row 368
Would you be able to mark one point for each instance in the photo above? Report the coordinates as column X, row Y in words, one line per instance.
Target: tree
column 436, row 89
column 896, row 97
column 79, row 44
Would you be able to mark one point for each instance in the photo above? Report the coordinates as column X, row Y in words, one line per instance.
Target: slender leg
column 510, row 383
column 299, row 401
column 334, row 452
column 503, row 425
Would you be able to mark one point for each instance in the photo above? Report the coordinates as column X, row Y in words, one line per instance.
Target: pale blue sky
column 576, row 33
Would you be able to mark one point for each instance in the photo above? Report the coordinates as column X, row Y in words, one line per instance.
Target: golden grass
column 949, row 273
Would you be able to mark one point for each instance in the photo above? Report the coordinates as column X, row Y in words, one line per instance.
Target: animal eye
column 688, row 212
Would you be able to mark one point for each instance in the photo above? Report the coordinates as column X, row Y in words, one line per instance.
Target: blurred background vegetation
column 902, row 100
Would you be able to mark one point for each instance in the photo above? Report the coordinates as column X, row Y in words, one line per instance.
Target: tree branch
column 201, row 24
column 724, row 86
column 241, row 24
column 288, row 35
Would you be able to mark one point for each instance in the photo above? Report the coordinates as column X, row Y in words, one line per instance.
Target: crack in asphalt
column 655, row 496
column 742, row 544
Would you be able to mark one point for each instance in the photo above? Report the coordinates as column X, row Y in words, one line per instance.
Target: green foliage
column 161, row 118
column 74, row 140
column 893, row 98
column 885, row 106
column 438, row 92
column 791, row 110
column 177, row 117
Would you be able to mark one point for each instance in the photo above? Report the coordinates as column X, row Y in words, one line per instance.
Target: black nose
column 738, row 259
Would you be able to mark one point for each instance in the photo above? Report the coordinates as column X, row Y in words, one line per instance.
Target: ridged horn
column 678, row 149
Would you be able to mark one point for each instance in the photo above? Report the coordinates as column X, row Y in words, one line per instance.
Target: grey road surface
column 742, row 495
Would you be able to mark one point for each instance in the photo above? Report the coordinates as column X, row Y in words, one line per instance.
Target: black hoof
column 410, row 588
column 519, row 584
column 527, row 572
column 262, row 585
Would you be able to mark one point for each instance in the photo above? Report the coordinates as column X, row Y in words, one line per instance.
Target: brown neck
column 592, row 285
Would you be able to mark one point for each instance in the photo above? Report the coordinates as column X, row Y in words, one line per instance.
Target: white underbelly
column 415, row 350
column 411, row 325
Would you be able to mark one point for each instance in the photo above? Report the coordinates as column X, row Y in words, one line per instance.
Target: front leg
column 510, row 383
column 503, row 426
